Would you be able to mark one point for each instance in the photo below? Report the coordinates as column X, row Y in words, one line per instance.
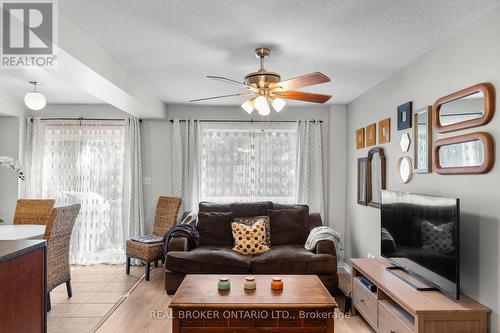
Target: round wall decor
column 404, row 169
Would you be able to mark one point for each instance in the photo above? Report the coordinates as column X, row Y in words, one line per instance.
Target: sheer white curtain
column 226, row 162
column 248, row 161
column 93, row 163
column 185, row 159
column 310, row 166
column 133, row 210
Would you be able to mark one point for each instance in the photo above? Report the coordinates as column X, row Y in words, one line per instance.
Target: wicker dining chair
column 58, row 235
column 167, row 210
column 33, row 211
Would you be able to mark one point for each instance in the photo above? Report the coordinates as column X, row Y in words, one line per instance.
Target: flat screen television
column 420, row 233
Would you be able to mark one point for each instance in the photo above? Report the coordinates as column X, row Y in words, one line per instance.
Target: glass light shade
column 35, row 100
column 278, row 104
column 248, row 106
column 262, row 106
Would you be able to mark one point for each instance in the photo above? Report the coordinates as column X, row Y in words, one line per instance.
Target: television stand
column 410, row 279
column 396, row 306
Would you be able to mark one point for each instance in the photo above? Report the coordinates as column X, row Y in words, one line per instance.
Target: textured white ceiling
column 171, row 45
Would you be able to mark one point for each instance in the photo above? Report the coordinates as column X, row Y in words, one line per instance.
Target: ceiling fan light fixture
column 262, row 106
column 278, row 104
column 35, row 100
column 248, row 106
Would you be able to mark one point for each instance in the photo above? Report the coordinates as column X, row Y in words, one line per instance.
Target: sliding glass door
column 83, row 162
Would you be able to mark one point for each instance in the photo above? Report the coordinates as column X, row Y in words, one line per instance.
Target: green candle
column 224, row 283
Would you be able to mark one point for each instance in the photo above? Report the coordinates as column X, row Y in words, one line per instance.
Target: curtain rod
column 241, row 121
column 82, row 118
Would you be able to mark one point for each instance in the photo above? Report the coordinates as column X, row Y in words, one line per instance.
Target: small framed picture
column 404, row 116
column 362, row 179
column 371, row 132
column 384, row 131
column 360, row 138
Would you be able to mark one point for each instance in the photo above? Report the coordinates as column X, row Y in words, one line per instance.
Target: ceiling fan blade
column 301, row 81
column 303, row 96
column 225, row 79
column 222, row 96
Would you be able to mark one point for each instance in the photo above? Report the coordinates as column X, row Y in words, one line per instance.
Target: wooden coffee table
column 304, row 305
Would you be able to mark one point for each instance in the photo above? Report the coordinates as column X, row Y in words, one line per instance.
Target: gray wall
column 471, row 57
column 9, row 146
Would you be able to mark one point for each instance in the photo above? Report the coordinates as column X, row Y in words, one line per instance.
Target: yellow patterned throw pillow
column 249, row 239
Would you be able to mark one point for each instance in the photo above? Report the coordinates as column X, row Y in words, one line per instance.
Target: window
column 246, row 161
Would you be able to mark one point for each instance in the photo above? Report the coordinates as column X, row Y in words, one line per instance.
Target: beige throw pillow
column 251, row 220
column 249, row 239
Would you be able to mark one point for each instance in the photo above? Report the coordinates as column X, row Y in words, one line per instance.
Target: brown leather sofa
column 287, row 254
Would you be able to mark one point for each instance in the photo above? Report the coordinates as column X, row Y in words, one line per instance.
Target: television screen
column 420, row 233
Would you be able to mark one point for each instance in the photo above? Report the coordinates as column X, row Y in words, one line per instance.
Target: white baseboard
column 344, row 266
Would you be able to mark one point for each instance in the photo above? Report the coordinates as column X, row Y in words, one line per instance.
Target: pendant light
column 35, row 100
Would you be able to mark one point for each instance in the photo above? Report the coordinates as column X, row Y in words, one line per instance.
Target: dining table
column 21, row 231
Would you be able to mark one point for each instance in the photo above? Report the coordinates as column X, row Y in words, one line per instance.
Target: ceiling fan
column 266, row 88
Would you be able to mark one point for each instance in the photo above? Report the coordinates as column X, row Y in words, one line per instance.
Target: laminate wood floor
column 145, row 309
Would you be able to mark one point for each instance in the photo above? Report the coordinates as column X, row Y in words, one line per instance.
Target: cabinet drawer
column 387, row 323
column 365, row 302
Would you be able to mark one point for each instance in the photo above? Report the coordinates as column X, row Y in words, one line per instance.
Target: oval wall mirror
column 464, row 154
column 466, row 108
column 404, row 169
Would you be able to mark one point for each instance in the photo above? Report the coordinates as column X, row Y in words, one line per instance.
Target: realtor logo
column 28, row 31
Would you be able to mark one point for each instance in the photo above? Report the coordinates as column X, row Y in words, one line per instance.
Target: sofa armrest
column 178, row 244
column 326, row 247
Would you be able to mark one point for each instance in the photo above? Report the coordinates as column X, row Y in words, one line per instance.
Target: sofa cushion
column 292, row 259
column 245, row 209
column 208, row 260
column 278, row 206
column 215, row 229
column 288, row 226
column 205, row 206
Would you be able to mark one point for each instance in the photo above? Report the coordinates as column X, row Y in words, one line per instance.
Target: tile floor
column 96, row 291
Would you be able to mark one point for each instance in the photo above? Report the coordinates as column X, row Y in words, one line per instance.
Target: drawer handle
column 362, row 301
column 393, row 331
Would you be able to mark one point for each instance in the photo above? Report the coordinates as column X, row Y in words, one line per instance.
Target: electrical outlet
column 371, row 256
column 146, row 181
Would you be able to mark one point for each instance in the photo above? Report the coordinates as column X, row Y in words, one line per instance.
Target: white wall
column 9, row 146
column 12, row 117
column 471, row 57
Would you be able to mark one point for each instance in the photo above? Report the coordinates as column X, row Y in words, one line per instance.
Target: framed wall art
column 371, row 135
column 360, row 138
column 404, row 116
column 384, row 131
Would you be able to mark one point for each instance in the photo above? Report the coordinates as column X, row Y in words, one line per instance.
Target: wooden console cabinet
column 396, row 307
